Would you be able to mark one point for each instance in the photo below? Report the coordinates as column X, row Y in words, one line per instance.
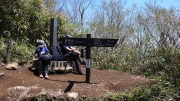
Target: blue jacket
column 38, row 51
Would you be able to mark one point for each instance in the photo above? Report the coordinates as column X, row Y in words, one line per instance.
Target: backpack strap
column 59, row 50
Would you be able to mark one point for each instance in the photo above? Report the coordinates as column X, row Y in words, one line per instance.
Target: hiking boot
column 79, row 72
column 41, row 76
column 46, row 76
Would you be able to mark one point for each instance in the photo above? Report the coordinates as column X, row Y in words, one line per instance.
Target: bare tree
column 76, row 10
column 110, row 20
column 55, row 6
column 162, row 25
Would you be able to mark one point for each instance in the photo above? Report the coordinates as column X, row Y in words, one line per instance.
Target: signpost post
column 53, row 32
column 88, row 58
column 88, row 42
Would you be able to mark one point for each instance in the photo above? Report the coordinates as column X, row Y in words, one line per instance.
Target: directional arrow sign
column 74, row 41
column 95, row 42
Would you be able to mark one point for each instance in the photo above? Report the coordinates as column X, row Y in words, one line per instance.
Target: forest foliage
column 148, row 36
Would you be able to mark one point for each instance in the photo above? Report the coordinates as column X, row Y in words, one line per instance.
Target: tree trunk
column 9, row 51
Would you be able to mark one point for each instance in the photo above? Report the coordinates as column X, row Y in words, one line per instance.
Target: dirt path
column 25, row 83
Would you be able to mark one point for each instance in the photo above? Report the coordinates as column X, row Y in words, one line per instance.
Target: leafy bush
column 165, row 63
column 125, row 96
column 107, row 59
column 3, row 50
column 21, row 53
column 162, row 91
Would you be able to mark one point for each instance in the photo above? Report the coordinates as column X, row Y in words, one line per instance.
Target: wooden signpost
column 53, row 32
column 88, row 42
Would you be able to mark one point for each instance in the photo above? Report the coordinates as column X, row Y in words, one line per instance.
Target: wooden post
column 88, row 59
column 9, row 48
column 53, row 32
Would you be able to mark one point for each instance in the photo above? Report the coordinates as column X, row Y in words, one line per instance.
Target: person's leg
column 74, row 57
column 77, row 66
column 40, row 69
column 79, row 58
column 45, row 67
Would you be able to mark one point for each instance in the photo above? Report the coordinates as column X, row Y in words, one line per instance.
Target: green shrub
column 3, row 50
column 125, row 96
column 165, row 63
column 21, row 53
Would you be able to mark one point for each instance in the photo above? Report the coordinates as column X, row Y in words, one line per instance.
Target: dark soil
column 16, row 84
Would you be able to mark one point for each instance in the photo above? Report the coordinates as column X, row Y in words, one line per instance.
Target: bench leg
column 65, row 66
column 58, row 64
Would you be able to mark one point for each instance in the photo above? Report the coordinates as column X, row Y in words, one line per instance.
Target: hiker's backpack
column 56, row 53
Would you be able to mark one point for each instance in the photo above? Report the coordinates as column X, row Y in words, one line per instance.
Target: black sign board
column 74, row 41
column 95, row 42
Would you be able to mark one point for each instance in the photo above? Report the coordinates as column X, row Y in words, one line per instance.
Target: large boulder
column 12, row 66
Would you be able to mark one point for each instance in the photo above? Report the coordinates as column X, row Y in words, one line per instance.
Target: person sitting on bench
column 72, row 55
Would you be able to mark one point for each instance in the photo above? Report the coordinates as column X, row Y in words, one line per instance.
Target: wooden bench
column 64, row 65
column 57, row 65
column 54, row 66
column 60, row 66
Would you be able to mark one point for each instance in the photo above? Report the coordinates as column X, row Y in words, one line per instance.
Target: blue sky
column 164, row 3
